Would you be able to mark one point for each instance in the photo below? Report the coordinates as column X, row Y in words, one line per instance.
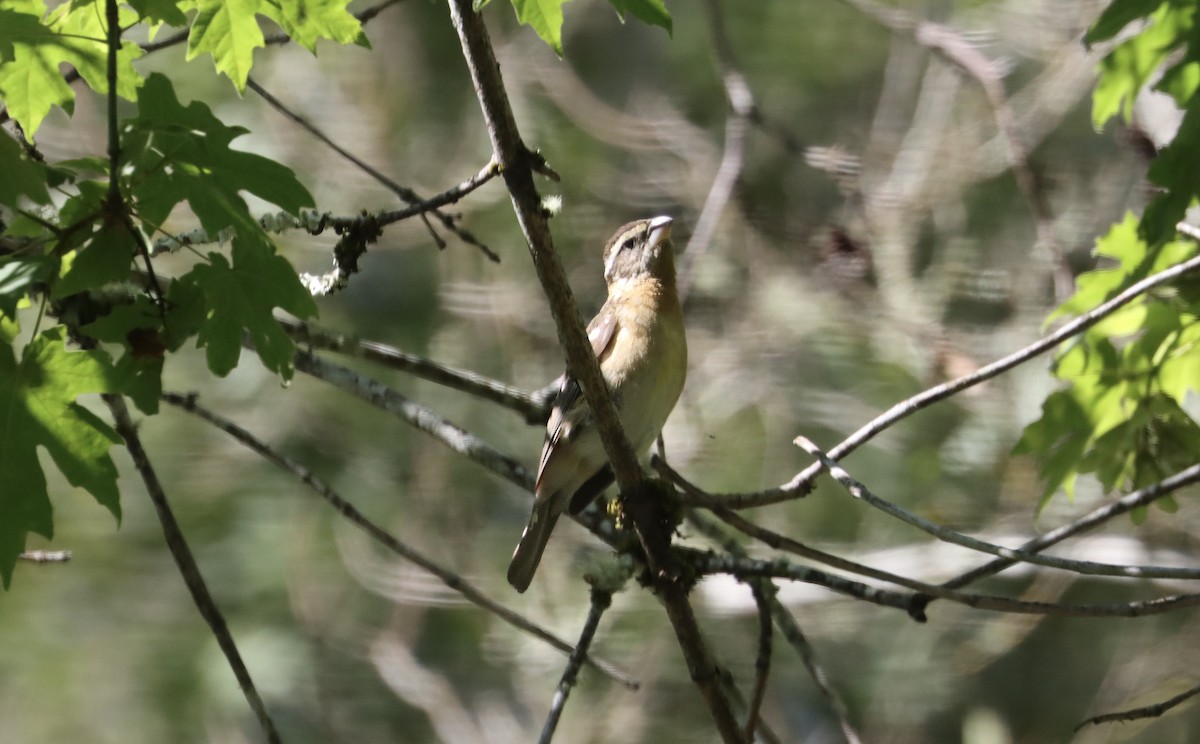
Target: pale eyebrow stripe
column 610, row 263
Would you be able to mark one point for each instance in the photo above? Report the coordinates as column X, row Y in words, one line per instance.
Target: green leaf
column 1093, row 288
column 83, row 23
column 241, row 298
column 229, row 31
column 38, row 397
column 32, row 49
column 1118, row 15
column 1180, row 371
column 306, row 21
column 545, row 17
column 160, row 11
column 1058, row 442
column 650, row 12
column 1129, row 66
column 1174, row 170
column 182, row 152
column 105, row 259
column 17, row 275
column 22, row 176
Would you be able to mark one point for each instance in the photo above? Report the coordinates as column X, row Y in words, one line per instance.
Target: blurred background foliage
column 876, row 243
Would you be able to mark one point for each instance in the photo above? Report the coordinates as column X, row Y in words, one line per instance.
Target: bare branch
column 601, row 600
column 186, row 562
column 533, row 406
column 1148, row 711
column 762, row 662
column 800, row 485
column 377, row 394
column 405, row 193
column 914, row 605
column 387, row 540
column 767, row 591
column 1087, row 568
column 1089, row 521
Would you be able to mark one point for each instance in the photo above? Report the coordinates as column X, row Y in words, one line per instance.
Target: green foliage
column 33, row 45
column 38, row 395
column 85, row 261
column 230, row 32
column 545, row 17
column 1121, row 418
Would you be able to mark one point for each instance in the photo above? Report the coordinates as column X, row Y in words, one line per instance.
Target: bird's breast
column 646, row 363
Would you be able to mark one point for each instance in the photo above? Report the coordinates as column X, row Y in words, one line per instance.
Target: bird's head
column 638, row 249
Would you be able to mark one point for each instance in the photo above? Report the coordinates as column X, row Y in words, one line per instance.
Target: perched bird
column 638, row 338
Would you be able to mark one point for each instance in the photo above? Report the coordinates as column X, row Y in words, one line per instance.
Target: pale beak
column 660, row 231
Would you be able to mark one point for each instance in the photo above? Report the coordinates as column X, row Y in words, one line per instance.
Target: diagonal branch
column 456, row 438
column 533, row 406
column 1087, row 568
column 800, row 485
column 1127, row 503
column 383, row 537
column 186, row 562
column 518, row 164
column 601, row 600
column 405, row 193
column 1148, row 711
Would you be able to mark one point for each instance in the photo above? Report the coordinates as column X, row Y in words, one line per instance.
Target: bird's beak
column 660, row 231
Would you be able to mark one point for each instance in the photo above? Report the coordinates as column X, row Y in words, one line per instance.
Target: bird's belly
column 649, row 392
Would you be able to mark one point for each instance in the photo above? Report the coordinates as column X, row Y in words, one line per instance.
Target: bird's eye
column 628, row 244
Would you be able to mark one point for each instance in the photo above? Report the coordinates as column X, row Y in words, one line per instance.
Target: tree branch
column 518, row 163
column 601, row 600
column 800, row 485
column 377, row 394
column 186, row 562
column 1087, row 568
column 405, row 193
column 533, row 406
column 1148, row 711
column 383, row 537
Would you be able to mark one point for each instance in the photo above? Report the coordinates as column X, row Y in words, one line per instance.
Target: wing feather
column 569, row 405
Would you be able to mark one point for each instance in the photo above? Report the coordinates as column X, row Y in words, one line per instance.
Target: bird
column 638, row 338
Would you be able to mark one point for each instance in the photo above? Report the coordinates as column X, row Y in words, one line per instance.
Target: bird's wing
column 568, row 403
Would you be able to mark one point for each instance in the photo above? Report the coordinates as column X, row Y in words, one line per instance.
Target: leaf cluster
column 76, row 236
column 1127, row 414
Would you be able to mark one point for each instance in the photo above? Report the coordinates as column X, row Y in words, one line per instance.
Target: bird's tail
column 533, row 541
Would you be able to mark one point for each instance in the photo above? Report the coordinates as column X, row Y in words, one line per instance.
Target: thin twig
column 914, row 604
column 741, row 107
column 405, row 193
column 377, row 394
column 535, row 409
column 800, row 485
column 601, row 600
column 795, row 637
column 1097, row 517
column 386, row 539
column 186, row 562
column 785, row 622
column 762, row 662
column 1148, row 711
column 1087, row 568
